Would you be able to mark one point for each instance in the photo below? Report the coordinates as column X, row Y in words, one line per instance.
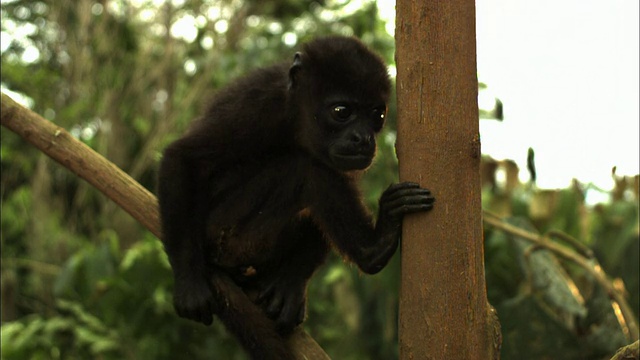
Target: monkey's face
column 349, row 129
column 340, row 89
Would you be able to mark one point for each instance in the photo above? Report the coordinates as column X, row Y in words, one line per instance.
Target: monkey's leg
column 283, row 293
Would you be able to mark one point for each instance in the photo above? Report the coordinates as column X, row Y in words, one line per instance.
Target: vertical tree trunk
column 443, row 305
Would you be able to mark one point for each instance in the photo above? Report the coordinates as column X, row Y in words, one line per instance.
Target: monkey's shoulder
column 256, row 88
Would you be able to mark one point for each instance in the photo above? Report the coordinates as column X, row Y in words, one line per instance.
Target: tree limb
column 62, row 147
column 140, row 203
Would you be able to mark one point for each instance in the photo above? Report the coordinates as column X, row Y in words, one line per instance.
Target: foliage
column 81, row 279
column 549, row 308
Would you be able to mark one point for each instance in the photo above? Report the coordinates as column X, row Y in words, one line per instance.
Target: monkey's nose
column 363, row 140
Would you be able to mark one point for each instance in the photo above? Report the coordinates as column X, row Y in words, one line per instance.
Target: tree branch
column 629, row 352
column 59, row 145
column 140, row 203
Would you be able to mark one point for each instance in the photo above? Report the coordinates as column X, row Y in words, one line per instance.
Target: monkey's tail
column 248, row 323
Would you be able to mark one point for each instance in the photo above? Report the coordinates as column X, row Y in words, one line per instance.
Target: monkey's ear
column 295, row 69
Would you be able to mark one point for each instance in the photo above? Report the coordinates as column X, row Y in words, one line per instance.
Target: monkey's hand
column 193, row 299
column 284, row 300
column 401, row 199
column 397, row 201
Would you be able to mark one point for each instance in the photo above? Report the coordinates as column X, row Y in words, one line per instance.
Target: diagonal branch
column 62, row 147
column 139, row 202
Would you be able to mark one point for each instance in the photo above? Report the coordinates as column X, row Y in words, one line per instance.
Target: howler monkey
column 260, row 187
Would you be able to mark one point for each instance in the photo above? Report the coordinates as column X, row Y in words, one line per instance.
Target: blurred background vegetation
column 81, row 279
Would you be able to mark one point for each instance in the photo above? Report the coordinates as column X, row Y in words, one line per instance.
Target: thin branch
column 629, row 352
column 577, row 245
column 62, row 147
column 58, row 144
column 629, row 325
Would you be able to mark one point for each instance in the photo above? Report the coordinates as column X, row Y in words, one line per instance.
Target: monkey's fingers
column 402, row 190
column 274, row 307
column 271, row 301
column 194, row 302
column 410, row 196
column 292, row 315
column 410, row 204
column 406, row 209
column 406, row 195
column 206, row 317
column 265, row 294
column 393, row 189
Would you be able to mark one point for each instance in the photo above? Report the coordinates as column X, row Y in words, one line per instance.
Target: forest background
column 82, row 279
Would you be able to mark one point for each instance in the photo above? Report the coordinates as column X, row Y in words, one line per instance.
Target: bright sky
column 567, row 73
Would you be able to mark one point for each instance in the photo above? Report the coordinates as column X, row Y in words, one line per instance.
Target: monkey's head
column 341, row 90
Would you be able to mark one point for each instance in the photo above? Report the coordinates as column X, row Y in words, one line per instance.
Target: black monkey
column 260, row 187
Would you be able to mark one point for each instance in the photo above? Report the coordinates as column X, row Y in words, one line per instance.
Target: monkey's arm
column 343, row 218
column 183, row 233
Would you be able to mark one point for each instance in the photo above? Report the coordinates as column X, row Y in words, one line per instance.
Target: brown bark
column 444, row 312
column 58, row 144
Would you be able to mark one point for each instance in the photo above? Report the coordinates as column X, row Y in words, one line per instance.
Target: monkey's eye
column 341, row 112
column 379, row 114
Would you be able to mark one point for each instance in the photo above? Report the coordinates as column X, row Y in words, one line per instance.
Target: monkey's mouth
column 346, row 162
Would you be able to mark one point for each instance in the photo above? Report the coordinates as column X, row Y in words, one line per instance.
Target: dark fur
column 252, row 196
